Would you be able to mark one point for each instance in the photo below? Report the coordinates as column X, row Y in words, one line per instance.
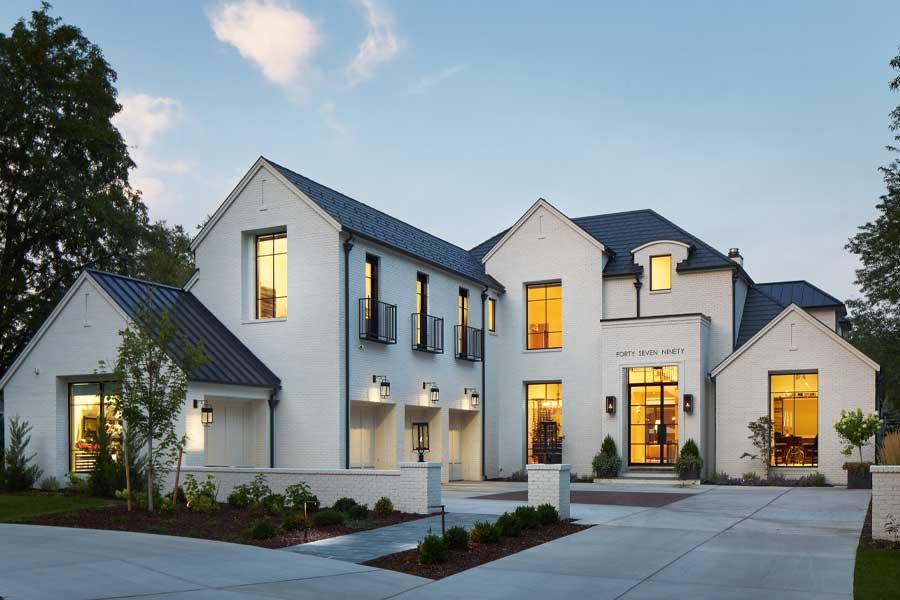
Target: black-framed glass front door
column 652, row 415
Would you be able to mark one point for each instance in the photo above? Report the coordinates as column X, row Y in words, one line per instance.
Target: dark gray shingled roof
column 765, row 301
column 363, row 220
column 229, row 360
column 624, row 231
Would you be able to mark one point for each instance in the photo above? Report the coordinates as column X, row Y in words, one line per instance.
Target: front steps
column 660, row 475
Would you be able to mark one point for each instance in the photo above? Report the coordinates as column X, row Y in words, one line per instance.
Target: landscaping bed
column 436, row 563
column 877, row 572
column 228, row 524
column 29, row 504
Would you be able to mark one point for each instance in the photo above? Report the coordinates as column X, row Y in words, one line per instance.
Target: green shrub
column 483, row 532
column 293, row 522
column 690, row 448
column 239, row 498
column 750, row 476
column 358, row 512
column 527, row 516
column 197, row 494
column 325, row 518
column 344, row 504
column 509, row 525
column 298, row 494
column 383, row 507
column 249, row 494
column 457, row 538
column 812, row 480
column 49, row 484
column 76, row 484
column 689, row 464
column 262, row 529
column 608, row 446
column 202, row 504
column 273, row 504
column 432, row 549
column 547, row 514
column 165, row 506
column 18, row 472
column 606, row 463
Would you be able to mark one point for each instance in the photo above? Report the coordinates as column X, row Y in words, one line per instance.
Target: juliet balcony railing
column 377, row 321
column 427, row 333
column 468, row 342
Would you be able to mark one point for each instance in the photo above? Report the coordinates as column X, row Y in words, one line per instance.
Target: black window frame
column 492, row 315
column 256, row 293
column 545, row 285
column 667, row 289
column 769, row 411
column 101, row 385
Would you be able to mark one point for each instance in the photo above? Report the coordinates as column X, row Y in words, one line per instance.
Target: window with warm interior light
column 421, row 309
column 545, row 432
column 92, row 413
column 492, row 314
column 544, row 316
column 660, row 273
column 271, row 276
column 794, row 405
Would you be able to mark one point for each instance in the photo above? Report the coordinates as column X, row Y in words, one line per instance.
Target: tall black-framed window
column 422, row 309
column 371, row 293
column 544, row 315
column 462, row 310
column 271, row 276
column 544, row 434
column 92, row 415
column 794, row 410
column 492, row 314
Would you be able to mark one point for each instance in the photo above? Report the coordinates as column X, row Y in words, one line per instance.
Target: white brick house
column 530, row 347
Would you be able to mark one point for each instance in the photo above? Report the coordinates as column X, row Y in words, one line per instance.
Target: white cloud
column 279, row 39
column 380, row 45
column 330, row 118
column 426, row 82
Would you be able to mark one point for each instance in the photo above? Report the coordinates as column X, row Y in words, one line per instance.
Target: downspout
column 348, row 245
column 273, row 402
column 637, row 296
column 484, row 296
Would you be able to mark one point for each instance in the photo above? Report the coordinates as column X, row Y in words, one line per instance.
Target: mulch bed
column 227, row 525
column 648, row 499
column 865, row 538
column 478, row 554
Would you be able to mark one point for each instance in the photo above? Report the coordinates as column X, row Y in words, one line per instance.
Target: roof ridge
column 137, row 279
column 612, row 214
column 390, row 216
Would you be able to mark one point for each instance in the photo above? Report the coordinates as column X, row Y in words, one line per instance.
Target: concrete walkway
column 367, row 545
column 82, row 564
column 717, row 543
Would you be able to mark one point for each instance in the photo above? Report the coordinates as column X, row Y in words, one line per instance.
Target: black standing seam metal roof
column 624, row 231
column 229, row 361
column 362, row 219
column 765, row 301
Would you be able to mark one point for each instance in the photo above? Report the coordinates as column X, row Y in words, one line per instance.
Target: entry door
column 234, row 423
column 228, row 439
column 362, row 436
column 653, row 423
column 455, row 454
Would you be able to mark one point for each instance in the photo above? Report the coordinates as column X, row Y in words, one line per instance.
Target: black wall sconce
column 385, row 385
column 435, row 393
column 610, row 405
column 688, row 403
column 474, row 398
column 206, row 413
column 420, row 439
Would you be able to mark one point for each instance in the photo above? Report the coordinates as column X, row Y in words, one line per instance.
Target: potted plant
column 688, row 464
column 855, row 430
column 607, row 463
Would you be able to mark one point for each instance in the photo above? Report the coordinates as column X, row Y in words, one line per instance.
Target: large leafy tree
column 65, row 200
column 876, row 318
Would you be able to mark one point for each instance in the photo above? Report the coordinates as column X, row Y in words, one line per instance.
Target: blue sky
column 759, row 125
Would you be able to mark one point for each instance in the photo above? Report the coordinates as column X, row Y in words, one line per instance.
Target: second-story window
column 271, row 276
column 660, row 272
column 492, row 314
column 544, row 316
column 422, row 309
column 371, row 294
column 462, row 318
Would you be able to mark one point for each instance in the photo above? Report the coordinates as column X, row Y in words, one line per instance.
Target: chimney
column 735, row 255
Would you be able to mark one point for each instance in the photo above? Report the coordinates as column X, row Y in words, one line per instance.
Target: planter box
column 858, row 479
column 885, row 499
column 691, row 473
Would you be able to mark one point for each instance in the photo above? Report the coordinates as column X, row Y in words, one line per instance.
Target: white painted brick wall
column 742, row 395
column 550, row 484
column 885, row 499
column 412, row 488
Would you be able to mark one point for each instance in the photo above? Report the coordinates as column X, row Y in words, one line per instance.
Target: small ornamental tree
column 154, row 387
column 18, row 473
column 761, row 438
column 856, row 430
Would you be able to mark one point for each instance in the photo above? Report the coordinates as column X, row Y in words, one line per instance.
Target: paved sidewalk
column 367, row 545
column 721, row 543
column 82, row 564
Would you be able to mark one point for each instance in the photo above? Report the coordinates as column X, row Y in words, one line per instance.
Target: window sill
column 668, row 291
column 541, row 350
column 255, row 321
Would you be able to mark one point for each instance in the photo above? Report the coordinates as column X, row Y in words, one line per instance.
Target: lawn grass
column 877, row 574
column 29, row 504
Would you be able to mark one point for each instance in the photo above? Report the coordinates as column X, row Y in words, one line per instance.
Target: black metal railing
column 468, row 342
column 427, row 333
column 377, row 321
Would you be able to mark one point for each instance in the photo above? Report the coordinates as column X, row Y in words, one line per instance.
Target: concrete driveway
column 717, row 543
column 76, row 564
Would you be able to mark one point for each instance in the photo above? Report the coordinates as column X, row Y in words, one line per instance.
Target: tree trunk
column 150, row 472
column 177, row 475
column 127, row 467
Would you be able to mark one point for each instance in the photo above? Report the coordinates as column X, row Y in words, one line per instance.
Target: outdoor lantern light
column 385, row 385
column 435, row 393
column 475, row 398
column 420, row 439
column 206, row 413
column 688, row 403
column 610, row 405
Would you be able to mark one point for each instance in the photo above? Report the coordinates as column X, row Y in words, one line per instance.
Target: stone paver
column 367, row 545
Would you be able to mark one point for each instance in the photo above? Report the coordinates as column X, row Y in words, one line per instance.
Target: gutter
column 273, row 402
column 484, row 329
column 348, row 246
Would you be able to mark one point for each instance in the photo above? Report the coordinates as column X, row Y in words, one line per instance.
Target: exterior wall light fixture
column 474, row 398
column 206, row 413
column 435, row 392
column 688, row 403
column 385, row 385
column 610, row 405
column 420, row 439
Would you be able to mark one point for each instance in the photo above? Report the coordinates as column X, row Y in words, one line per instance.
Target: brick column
column 420, row 487
column 885, row 498
column 549, row 484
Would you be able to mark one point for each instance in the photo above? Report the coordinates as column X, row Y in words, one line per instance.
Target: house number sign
column 646, row 352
